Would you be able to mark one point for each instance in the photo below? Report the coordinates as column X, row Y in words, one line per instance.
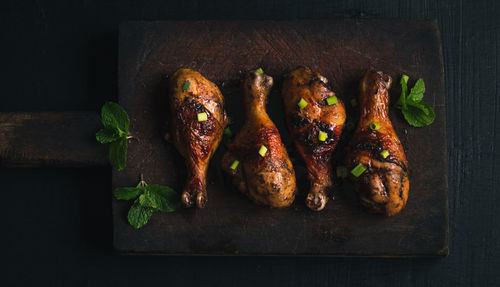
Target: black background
column 56, row 223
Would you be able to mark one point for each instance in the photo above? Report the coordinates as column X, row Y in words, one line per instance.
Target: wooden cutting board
column 231, row 224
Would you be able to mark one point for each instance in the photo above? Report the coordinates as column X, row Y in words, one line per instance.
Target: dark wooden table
column 62, row 55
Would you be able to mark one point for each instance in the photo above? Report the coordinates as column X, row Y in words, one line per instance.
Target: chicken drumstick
column 376, row 156
column 197, row 124
column 315, row 118
column 257, row 159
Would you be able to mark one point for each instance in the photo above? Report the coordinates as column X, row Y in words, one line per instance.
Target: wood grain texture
column 66, row 53
column 50, row 139
column 341, row 50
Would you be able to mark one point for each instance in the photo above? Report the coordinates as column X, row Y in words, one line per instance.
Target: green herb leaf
column 147, row 200
column 420, row 105
column 417, row 117
column 139, row 215
column 163, row 197
column 118, row 153
column 113, row 116
column 404, row 90
column 417, row 92
column 416, row 112
column 127, row 193
column 107, row 135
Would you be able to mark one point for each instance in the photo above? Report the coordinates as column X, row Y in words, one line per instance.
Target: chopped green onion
column 263, row 150
column 358, row 170
column 322, row 136
column 375, row 126
column 302, row 103
column 349, row 126
column 384, row 153
column 341, row 171
column 331, row 100
column 228, row 132
column 202, row 117
column 260, row 71
column 354, row 102
column 186, row 86
column 234, row 165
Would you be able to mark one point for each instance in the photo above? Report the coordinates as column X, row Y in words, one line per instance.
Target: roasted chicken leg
column 315, row 118
column 197, row 122
column 257, row 159
column 376, row 156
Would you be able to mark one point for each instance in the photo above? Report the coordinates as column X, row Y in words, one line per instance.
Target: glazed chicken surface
column 197, row 121
column 311, row 109
column 375, row 148
column 257, row 160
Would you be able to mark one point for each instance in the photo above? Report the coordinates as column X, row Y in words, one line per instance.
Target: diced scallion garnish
column 263, row 150
column 358, row 170
column 375, row 126
column 202, row 117
column 331, row 100
column 354, row 102
column 228, row 132
column 341, row 171
column 186, row 85
column 234, row 165
column 260, row 71
column 302, row 103
column 384, row 153
column 322, row 136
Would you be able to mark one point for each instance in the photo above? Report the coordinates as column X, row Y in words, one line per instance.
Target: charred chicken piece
column 197, row 122
column 315, row 118
column 376, row 156
column 257, row 159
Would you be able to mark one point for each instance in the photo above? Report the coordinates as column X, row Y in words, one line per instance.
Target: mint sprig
column 416, row 112
column 115, row 132
column 148, row 199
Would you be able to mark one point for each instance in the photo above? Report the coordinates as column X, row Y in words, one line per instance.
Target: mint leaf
column 420, row 105
column 415, row 111
column 115, row 132
column 404, row 90
column 138, row 215
column 127, row 193
column 163, row 197
column 417, row 92
column 417, row 116
column 113, row 116
column 107, row 135
column 148, row 200
column 118, row 153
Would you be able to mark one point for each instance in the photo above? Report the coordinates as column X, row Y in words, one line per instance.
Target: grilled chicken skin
column 306, row 123
column 197, row 122
column 265, row 172
column 383, row 186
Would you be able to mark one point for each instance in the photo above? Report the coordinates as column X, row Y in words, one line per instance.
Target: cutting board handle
column 50, row 139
